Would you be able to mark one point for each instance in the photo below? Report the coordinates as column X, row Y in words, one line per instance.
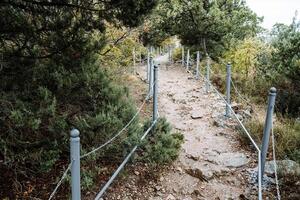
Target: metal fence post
column 197, row 65
column 75, row 168
column 151, row 78
column 187, row 59
column 148, row 65
column 267, row 128
column 207, row 74
column 228, row 80
column 155, row 93
column 182, row 56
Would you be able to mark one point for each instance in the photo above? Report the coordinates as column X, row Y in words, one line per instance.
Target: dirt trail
column 211, row 164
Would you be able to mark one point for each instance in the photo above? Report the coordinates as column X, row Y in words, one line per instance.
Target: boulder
column 284, row 168
column 232, row 159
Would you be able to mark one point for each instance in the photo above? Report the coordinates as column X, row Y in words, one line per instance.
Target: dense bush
column 51, row 81
column 162, row 147
column 35, row 128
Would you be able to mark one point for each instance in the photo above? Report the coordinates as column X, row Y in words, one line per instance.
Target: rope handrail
column 274, row 162
column 60, row 180
column 121, row 166
column 238, row 93
column 119, row 133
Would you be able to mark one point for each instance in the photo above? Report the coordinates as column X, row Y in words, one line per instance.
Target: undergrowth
column 162, row 146
column 287, row 137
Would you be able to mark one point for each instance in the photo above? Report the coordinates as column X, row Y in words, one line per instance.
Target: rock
column 284, row 168
column 161, row 179
column 197, row 173
column 246, row 113
column 240, row 117
column 197, row 193
column 233, row 159
column 170, row 197
column 196, row 114
column 179, row 169
column 220, row 134
column 218, row 123
column 193, row 157
column 136, row 173
column 236, row 106
column 157, row 188
column 159, row 194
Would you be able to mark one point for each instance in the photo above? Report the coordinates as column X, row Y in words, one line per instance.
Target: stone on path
column 232, row 159
column 170, row 197
column 197, row 173
column 196, row 114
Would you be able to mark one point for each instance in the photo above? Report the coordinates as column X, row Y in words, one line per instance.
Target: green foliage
column 286, row 64
column 286, row 57
column 247, row 55
column 177, row 54
column 117, row 55
column 97, row 107
column 261, row 64
column 208, row 25
column 162, row 146
column 51, row 81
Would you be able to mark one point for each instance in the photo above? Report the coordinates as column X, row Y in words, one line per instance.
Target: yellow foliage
column 244, row 56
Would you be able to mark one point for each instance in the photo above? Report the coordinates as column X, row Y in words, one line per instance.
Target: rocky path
column 211, row 164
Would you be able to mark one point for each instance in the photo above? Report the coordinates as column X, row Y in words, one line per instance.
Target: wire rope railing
column 274, row 162
column 122, row 165
column 60, row 181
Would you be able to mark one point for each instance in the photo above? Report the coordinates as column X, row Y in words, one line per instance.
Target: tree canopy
column 208, row 25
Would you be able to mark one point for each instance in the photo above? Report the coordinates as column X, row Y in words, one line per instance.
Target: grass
column 287, row 137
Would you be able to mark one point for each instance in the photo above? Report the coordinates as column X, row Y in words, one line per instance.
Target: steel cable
column 274, row 163
column 121, row 166
column 60, row 181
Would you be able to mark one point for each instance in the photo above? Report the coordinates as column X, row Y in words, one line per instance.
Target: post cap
column 273, row 90
column 229, row 63
column 156, row 66
column 74, row 133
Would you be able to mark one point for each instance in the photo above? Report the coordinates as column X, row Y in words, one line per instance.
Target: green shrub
column 35, row 124
column 162, row 147
column 177, row 54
